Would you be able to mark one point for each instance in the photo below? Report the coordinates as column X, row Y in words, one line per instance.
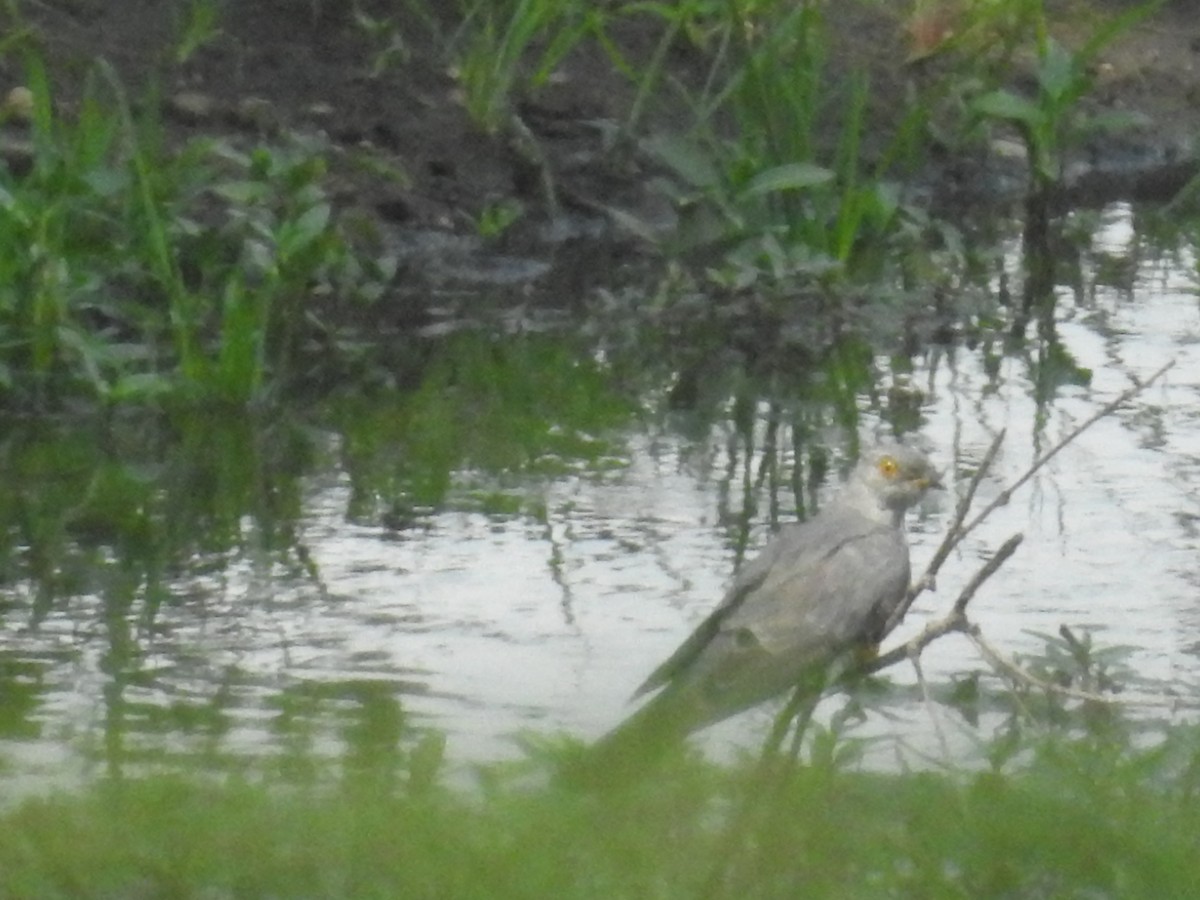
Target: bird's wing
column 816, row 601
column 749, row 577
column 820, row 605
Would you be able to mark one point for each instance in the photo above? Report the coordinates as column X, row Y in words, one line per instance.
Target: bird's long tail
column 636, row 746
column 647, row 738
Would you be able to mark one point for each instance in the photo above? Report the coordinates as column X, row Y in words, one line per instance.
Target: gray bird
column 818, row 589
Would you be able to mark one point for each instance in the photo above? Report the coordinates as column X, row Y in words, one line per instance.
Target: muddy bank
column 406, row 154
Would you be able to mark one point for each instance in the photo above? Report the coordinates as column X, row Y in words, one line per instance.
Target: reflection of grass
column 145, row 497
column 522, row 404
column 156, row 491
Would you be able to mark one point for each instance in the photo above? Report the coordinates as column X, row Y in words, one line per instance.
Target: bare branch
column 955, row 620
column 1013, row 672
column 930, row 707
column 1007, row 549
column 801, row 707
column 953, row 536
column 957, row 530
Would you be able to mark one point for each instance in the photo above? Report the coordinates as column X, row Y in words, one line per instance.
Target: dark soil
column 305, row 66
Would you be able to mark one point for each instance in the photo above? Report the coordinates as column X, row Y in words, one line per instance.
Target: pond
column 513, row 546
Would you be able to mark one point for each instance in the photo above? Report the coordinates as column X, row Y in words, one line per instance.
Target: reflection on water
column 534, row 582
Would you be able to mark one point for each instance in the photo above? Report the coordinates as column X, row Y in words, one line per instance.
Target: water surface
column 536, row 597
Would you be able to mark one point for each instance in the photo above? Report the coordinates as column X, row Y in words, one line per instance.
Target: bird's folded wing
column 823, row 605
column 810, row 578
column 748, row 578
column 797, row 622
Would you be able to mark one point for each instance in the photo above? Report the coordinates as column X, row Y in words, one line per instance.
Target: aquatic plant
column 1051, row 121
column 135, row 273
column 493, row 46
column 777, row 200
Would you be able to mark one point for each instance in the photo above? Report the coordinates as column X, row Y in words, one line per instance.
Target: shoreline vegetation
column 155, row 267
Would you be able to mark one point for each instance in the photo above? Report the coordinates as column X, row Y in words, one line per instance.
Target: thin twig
column 930, row 708
column 953, row 536
column 1007, row 549
column 955, row 620
column 1013, row 672
column 957, row 530
column 1005, row 495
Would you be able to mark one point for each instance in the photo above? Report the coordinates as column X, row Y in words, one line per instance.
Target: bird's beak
column 931, row 482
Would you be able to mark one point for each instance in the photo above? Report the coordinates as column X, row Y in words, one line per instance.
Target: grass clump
column 783, row 200
column 131, row 272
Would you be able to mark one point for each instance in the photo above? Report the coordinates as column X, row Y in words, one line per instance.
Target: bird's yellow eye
column 888, row 467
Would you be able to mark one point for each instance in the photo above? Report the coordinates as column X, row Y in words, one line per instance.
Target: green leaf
column 1115, row 27
column 789, row 177
column 141, row 386
column 1009, row 106
column 107, row 182
column 308, row 227
column 1116, row 120
column 242, row 192
column 687, row 160
column 1058, row 73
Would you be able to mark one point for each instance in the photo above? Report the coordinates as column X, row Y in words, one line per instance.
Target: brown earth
column 305, row 66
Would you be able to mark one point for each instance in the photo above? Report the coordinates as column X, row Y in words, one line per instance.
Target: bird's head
column 895, row 476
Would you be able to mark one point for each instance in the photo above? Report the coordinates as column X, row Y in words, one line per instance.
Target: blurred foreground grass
column 1076, row 818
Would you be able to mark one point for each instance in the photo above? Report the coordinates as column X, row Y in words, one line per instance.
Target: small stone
column 192, row 107
column 18, row 104
column 16, row 155
column 255, row 112
column 1010, row 149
